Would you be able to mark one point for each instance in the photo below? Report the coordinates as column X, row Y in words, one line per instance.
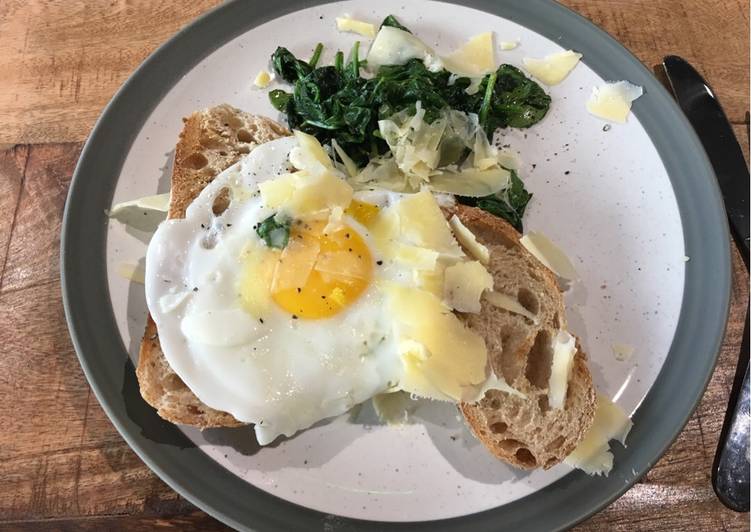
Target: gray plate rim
column 571, row 499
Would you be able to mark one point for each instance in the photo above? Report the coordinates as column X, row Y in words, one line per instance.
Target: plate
column 628, row 203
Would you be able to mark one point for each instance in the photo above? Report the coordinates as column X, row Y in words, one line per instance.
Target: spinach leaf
column 287, row 66
column 279, row 99
column 514, row 100
column 509, row 205
column 273, row 232
column 391, row 21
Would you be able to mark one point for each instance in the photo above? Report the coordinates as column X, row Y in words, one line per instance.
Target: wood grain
column 32, row 259
column 712, row 35
column 63, row 60
column 62, row 464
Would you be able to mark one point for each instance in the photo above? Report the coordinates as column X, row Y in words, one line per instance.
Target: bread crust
column 211, row 141
column 526, row 433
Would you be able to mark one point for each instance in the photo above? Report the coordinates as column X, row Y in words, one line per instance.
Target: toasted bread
column 211, row 140
column 523, row 432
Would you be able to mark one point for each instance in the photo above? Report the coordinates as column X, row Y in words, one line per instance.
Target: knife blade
column 730, row 471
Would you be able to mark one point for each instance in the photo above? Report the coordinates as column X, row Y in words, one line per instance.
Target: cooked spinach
column 509, row 204
column 336, row 102
column 274, row 232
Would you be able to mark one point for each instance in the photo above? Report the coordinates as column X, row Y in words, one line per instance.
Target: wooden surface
column 62, row 464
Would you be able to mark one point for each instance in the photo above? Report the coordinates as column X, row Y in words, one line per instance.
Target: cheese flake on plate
column 263, row 79
column 622, row 351
column 553, row 68
column 347, row 24
column 549, row 254
column 612, row 101
column 593, row 455
column 474, row 59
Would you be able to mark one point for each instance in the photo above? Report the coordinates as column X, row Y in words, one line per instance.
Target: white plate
column 603, row 196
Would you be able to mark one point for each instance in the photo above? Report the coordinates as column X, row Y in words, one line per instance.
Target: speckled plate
column 628, row 203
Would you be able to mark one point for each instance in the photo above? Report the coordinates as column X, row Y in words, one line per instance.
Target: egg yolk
column 320, row 273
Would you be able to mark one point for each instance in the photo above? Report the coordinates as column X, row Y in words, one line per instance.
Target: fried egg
column 350, row 306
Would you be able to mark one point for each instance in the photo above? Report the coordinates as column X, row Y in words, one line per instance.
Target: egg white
column 283, row 374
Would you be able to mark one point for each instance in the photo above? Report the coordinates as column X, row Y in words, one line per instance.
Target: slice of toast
column 211, row 141
column 527, row 433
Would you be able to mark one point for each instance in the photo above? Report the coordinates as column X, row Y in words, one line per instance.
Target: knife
column 730, row 471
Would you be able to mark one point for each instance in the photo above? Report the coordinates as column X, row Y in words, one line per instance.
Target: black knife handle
column 730, row 473
column 700, row 105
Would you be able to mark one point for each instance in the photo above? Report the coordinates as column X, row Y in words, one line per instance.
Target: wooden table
column 62, row 464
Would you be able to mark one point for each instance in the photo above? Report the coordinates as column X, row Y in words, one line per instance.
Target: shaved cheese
column 302, row 194
column 347, row 161
column 508, row 160
column 549, row 254
column 417, row 257
column 263, row 79
column 339, row 264
column 564, row 349
column 308, row 152
column 471, row 182
column 422, row 223
column 366, row 29
column 508, row 45
column 132, row 272
column 432, row 368
column 393, row 408
column 474, row 59
column 554, row 68
column 276, row 192
column 463, row 285
column 509, row 303
column 295, row 264
column 158, row 202
column 468, row 240
column 622, row 351
column 593, row 455
column 393, row 46
column 493, row 382
column 430, row 280
column 612, row 101
column 335, row 220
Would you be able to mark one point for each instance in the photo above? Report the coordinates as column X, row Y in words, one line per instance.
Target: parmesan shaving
column 593, row 455
column 612, row 101
column 509, row 303
column 553, row 68
column 549, row 254
column 468, row 240
column 463, row 285
column 346, row 24
column 564, row 349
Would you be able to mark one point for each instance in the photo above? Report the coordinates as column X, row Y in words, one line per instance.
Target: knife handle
column 730, row 474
